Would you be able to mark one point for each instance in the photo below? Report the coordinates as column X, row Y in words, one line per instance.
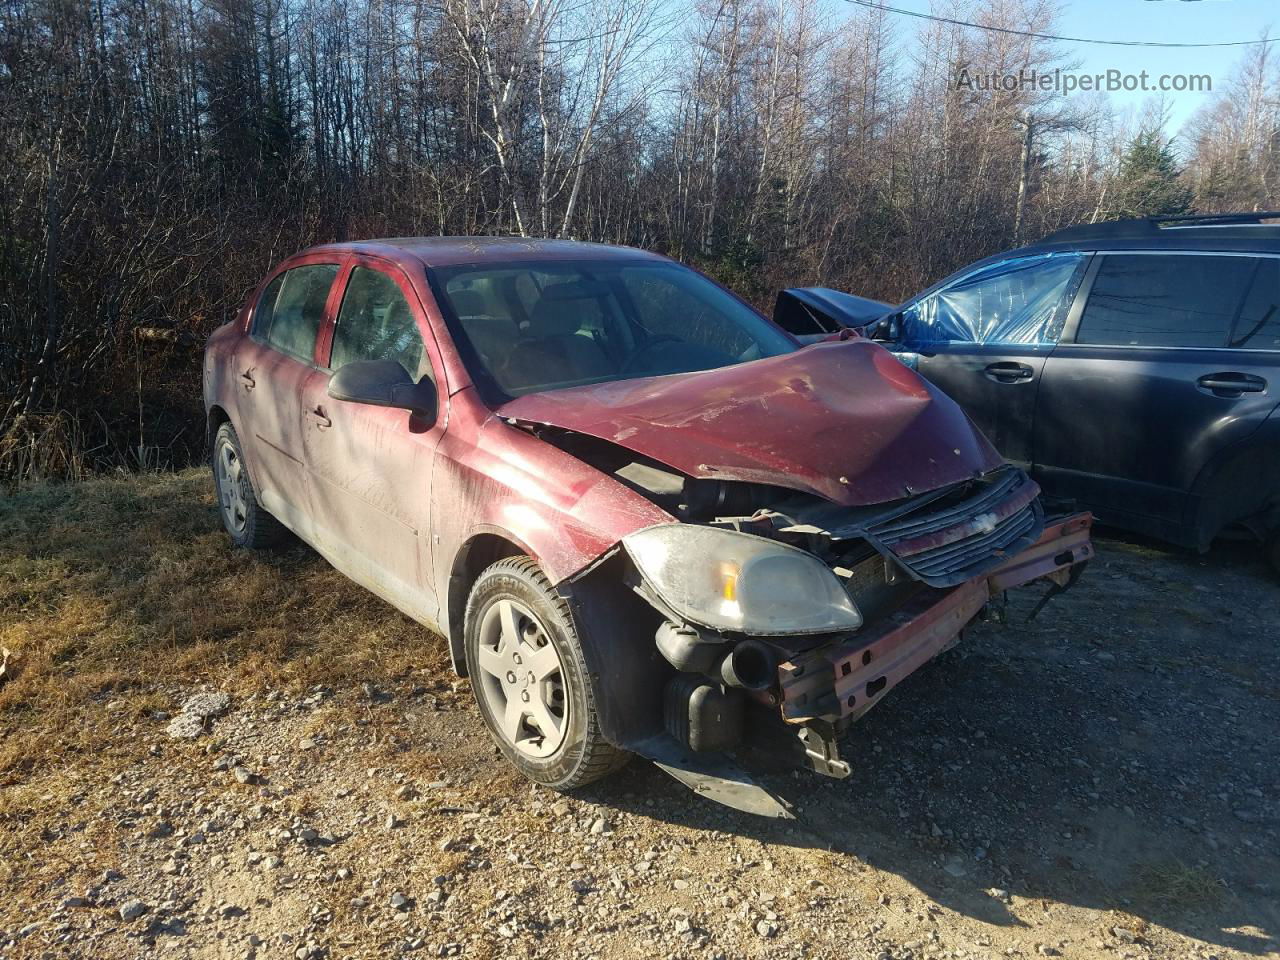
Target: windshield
column 528, row 327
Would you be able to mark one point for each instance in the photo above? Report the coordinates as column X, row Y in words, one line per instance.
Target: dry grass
column 1173, row 884
column 118, row 594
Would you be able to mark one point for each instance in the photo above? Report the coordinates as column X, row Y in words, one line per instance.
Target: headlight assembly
column 741, row 583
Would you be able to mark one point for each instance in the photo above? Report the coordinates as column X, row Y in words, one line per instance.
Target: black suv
column 1132, row 366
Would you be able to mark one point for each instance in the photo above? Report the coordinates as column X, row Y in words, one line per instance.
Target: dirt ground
column 1099, row 782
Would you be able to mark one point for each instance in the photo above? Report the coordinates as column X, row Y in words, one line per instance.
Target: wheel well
column 472, row 559
column 216, row 418
column 1244, row 489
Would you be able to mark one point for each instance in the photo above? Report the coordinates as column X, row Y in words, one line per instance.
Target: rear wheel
column 530, row 679
column 246, row 522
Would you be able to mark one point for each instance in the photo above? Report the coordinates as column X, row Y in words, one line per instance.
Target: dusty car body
column 780, row 532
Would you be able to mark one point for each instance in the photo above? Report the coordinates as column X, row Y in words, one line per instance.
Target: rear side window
column 1165, row 301
column 291, row 308
column 375, row 323
column 1258, row 327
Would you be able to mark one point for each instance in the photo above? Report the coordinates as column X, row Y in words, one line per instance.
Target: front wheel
column 530, row 678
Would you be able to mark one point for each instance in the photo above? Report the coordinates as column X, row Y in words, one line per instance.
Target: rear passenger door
column 1170, row 362
column 370, row 467
column 984, row 336
column 273, row 367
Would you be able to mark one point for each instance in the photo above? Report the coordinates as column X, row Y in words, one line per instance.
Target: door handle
column 246, row 379
column 1231, row 384
column 1009, row 371
column 319, row 418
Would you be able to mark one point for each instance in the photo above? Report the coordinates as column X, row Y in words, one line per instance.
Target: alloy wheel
column 522, row 679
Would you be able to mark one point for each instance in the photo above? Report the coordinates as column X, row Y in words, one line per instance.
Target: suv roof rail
column 1148, row 226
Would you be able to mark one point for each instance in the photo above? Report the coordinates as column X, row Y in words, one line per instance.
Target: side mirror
column 384, row 383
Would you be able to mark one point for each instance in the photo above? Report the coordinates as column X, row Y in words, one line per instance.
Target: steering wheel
column 647, row 347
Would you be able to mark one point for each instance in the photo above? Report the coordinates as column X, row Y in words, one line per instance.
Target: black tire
column 246, row 522
column 584, row 755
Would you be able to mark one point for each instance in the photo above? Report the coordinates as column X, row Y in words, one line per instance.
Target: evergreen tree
column 1149, row 182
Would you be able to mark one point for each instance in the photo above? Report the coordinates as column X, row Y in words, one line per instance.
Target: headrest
column 562, row 308
column 468, row 303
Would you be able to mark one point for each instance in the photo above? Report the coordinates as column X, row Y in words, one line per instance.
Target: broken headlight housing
column 740, row 583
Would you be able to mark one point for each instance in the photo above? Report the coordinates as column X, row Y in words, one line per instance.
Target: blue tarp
column 1014, row 301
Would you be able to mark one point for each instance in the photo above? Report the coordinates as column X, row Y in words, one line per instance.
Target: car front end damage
column 784, row 624
column 830, row 522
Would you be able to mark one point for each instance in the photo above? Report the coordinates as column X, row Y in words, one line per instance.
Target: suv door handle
column 319, row 418
column 246, row 379
column 1009, row 371
column 1230, row 385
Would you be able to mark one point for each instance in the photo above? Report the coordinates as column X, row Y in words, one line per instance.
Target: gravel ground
column 1099, row 782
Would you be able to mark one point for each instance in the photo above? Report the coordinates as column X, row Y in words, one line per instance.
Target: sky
column 1172, row 21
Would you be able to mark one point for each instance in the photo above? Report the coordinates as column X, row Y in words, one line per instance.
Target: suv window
column 376, row 323
column 291, row 308
column 1144, row 300
column 1258, row 327
column 1015, row 301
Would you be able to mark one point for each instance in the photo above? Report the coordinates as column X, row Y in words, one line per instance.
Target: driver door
column 370, row 467
column 984, row 336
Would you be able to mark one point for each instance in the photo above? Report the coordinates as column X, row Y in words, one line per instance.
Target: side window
column 1258, row 327
column 291, row 308
column 376, row 323
column 1015, row 301
column 1165, row 301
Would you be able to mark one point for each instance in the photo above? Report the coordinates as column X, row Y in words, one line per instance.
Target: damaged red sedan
column 644, row 517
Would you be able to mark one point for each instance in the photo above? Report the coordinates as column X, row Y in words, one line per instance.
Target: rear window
column 1258, row 327
column 1165, row 300
column 291, row 308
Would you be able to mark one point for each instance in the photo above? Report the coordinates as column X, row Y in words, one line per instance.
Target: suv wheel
column 530, row 679
column 247, row 523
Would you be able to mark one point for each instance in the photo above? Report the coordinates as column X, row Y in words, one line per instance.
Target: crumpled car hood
column 840, row 419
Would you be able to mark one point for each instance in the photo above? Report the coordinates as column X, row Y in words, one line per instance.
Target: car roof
column 449, row 251
column 1228, row 232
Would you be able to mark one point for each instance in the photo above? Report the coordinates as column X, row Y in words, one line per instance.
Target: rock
column 231, row 910
column 998, row 894
column 1047, row 951
column 243, row 775
column 1125, row 934
column 506, row 930
column 306, row 743
column 599, row 825
column 76, row 903
column 955, row 866
column 207, row 705
column 399, row 901
column 307, row 835
column 393, row 821
column 406, row 793
column 108, row 875
column 132, row 910
column 160, row 830
column 185, row 726
column 766, row 929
